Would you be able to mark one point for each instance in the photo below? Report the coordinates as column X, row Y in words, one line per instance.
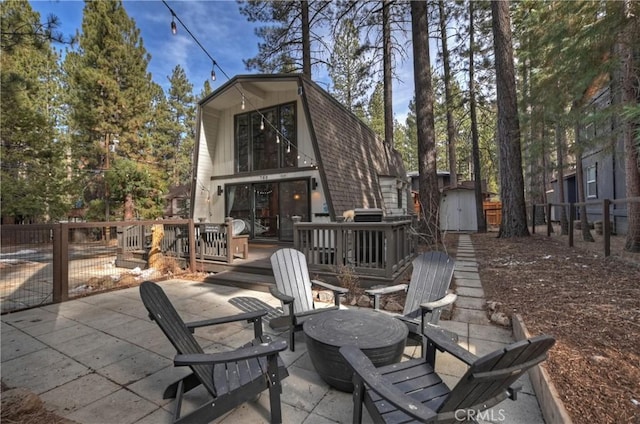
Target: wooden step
column 245, row 280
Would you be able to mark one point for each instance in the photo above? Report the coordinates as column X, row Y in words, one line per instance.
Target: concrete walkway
column 99, row 359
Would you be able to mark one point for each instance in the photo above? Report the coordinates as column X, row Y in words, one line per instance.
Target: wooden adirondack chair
column 231, row 378
column 411, row 391
column 293, row 288
column 426, row 293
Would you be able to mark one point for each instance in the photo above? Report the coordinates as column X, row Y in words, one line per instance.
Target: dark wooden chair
column 427, row 293
column 293, row 288
column 231, row 378
column 411, row 391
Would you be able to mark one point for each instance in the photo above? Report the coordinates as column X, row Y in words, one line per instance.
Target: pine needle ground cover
column 589, row 303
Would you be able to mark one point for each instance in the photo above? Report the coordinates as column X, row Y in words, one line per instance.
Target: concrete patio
column 99, row 359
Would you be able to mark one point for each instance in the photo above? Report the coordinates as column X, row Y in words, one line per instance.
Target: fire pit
column 381, row 337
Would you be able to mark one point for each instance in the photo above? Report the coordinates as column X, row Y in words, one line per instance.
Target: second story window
column 266, row 139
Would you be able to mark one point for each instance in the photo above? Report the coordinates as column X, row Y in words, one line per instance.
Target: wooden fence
column 604, row 224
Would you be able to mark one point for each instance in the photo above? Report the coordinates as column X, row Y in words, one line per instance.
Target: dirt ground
column 590, row 304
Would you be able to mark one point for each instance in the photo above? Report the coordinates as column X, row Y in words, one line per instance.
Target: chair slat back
column 164, row 314
column 430, row 280
column 292, row 278
column 490, row 376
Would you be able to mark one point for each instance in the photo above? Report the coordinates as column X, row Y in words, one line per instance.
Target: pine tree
column 349, row 69
column 428, row 179
column 375, row 111
column 34, row 179
column 182, row 141
column 110, row 92
column 514, row 213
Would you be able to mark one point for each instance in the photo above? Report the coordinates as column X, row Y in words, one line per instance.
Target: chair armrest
column 440, row 338
column 386, row 290
column 335, row 289
column 376, row 293
column 440, row 303
column 249, row 352
column 279, row 295
column 248, row 316
column 363, row 367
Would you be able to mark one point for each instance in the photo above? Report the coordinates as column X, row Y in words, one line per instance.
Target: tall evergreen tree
column 375, row 111
column 349, row 68
column 33, row 173
column 110, row 91
column 514, row 213
column 182, row 110
column 427, row 165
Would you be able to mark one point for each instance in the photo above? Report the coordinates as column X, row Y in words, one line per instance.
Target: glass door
column 294, row 200
column 266, row 219
column 268, row 208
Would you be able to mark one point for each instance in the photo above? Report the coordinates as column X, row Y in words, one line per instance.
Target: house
column 176, row 202
column 271, row 147
column 603, row 165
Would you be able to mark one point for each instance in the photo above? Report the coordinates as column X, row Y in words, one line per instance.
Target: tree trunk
column 451, row 130
column 584, row 222
column 427, row 166
column 560, row 143
column 388, row 77
column 514, row 212
column 632, row 156
column 306, row 43
column 129, row 208
column 475, row 143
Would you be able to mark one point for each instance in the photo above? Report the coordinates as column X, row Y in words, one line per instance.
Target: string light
column 213, row 74
column 242, row 105
column 261, row 123
column 174, row 27
column 277, row 139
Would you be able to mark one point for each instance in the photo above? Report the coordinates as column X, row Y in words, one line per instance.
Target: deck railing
column 377, row 249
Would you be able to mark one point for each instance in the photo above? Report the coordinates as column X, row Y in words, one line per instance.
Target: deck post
column 548, row 217
column 228, row 221
column 192, row 245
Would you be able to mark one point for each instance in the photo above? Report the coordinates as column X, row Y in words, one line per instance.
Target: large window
column 266, row 139
column 592, row 181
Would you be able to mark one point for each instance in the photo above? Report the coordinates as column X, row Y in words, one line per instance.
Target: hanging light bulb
column 213, row 74
column 277, row 139
column 288, row 147
column 262, row 123
column 174, row 27
column 242, row 105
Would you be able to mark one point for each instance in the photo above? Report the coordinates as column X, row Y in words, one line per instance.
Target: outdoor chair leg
column 275, row 388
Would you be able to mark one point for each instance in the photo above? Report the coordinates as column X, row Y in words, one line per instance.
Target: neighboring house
column 270, row 147
column 603, row 169
column 177, row 201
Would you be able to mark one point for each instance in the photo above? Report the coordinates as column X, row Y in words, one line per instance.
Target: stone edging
column 551, row 405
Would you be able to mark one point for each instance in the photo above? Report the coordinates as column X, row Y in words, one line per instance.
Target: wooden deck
column 255, row 273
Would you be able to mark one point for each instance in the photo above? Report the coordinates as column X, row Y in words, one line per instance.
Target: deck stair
column 245, row 280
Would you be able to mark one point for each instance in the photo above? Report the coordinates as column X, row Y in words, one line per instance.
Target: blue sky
column 219, row 27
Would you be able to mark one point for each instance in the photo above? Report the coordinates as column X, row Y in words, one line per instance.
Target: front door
column 268, row 208
column 266, row 218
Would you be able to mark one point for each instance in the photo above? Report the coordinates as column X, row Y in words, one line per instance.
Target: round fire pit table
column 381, row 337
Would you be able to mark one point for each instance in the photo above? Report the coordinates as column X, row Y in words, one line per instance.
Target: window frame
column 284, row 155
column 591, row 176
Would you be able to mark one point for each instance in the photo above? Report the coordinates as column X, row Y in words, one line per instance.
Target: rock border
column 551, row 405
